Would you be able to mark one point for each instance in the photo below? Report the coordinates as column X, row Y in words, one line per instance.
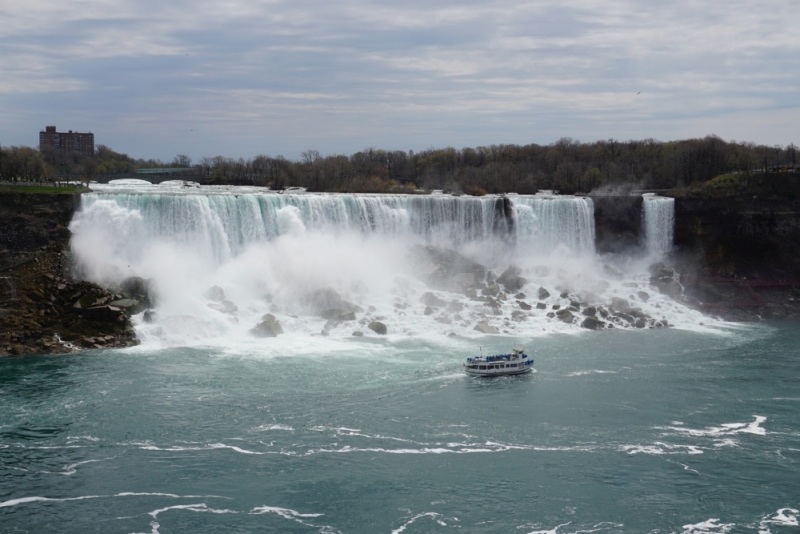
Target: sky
column 241, row 78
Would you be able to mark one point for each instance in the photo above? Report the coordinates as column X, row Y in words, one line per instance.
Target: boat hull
column 498, row 372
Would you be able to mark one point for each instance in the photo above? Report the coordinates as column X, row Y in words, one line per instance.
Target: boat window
column 483, row 367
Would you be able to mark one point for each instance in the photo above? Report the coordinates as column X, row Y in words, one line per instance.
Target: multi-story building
column 70, row 141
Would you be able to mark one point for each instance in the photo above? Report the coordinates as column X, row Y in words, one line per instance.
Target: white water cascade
column 659, row 224
column 271, row 253
column 547, row 222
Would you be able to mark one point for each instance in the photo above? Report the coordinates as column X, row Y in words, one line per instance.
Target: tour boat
column 516, row 363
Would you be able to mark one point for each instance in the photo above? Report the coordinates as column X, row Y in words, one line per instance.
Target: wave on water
column 710, row 526
column 729, row 429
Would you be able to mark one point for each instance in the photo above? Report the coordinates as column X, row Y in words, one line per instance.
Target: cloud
column 242, row 77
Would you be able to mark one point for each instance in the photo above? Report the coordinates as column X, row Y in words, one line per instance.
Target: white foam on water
column 295, row 516
column 264, row 428
column 729, row 429
column 659, row 448
column 432, row 515
column 25, row 500
column 593, row 371
column 710, row 526
column 785, row 517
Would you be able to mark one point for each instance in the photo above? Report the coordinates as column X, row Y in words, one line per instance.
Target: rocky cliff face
column 740, row 236
column 42, row 309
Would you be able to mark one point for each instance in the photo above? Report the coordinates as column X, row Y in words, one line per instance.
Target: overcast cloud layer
column 240, row 78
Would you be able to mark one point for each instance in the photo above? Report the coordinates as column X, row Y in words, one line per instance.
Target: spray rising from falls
column 220, row 263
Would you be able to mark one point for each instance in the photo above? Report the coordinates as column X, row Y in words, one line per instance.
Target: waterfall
column 659, row 222
column 223, row 225
column 545, row 223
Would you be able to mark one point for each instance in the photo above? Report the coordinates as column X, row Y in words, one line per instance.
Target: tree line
column 567, row 166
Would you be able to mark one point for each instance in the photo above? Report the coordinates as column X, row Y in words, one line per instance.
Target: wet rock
column 603, row 312
column 455, row 306
column 215, row 293
column 322, row 300
column 524, row 305
column 429, row 299
column 377, row 327
column 338, row 314
column 511, row 279
column 520, row 296
column 543, row 293
column 556, row 306
column 444, row 319
column 541, row 306
column 464, row 279
column 641, row 323
column 518, row 316
column 486, row 328
column 644, row 296
column 268, row 327
column 125, row 303
column 590, row 311
column 358, row 333
column 564, row 295
column 565, row 316
column 620, row 303
column 491, row 291
column 149, row 316
column 592, row 323
column 224, row 306
column 428, row 310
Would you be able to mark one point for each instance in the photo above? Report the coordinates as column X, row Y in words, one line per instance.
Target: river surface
column 618, row 431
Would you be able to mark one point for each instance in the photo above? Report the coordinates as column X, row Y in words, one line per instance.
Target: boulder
column 564, row 295
column 641, row 323
column 524, row 305
column 215, row 293
column 565, row 316
column 322, row 300
column 520, row 296
column 429, row 299
column 491, row 291
column 590, row 311
column 543, row 293
column 358, row 333
column 224, row 306
column 541, row 306
column 428, row 310
column 592, row 323
column 464, row 279
column 620, row 303
column 378, row 327
column 338, row 314
column 486, row 328
column 643, row 295
column 125, row 303
column 149, row 316
column 268, row 327
column 511, row 280
column 455, row 306
column 603, row 312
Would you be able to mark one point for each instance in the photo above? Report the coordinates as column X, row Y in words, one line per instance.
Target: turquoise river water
column 653, row 431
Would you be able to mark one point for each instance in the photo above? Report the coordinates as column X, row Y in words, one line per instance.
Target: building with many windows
column 70, row 141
